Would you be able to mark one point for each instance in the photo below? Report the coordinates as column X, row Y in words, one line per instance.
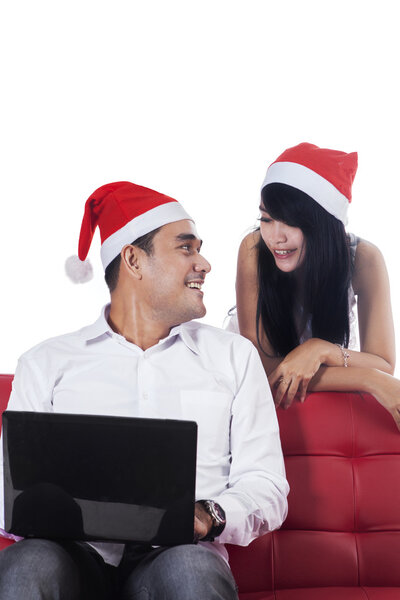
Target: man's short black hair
column 144, row 242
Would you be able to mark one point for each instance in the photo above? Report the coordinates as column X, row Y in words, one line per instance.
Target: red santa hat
column 325, row 175
column 123, row 212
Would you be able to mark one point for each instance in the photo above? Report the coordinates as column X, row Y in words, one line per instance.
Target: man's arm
column 29, row 392
column 256, row 499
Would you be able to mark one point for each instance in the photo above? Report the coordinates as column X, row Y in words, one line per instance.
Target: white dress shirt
column 198, row 373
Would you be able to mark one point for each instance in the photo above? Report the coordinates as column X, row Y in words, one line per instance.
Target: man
column 145, row 357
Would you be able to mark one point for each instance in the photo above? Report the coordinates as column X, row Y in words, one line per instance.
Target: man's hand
column 202, row 522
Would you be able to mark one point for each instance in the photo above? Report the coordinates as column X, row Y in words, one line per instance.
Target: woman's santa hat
column 325, row 175
column 123, row 212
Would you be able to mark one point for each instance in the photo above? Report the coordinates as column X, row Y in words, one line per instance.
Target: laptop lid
column 95, row 477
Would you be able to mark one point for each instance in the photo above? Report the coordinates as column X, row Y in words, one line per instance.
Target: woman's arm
column 371, row 285
column 375, row 320
column 246, row 300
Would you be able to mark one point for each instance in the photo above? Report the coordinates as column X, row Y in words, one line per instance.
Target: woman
column 297, row 279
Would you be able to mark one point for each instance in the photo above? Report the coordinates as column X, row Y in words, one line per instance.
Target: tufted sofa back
column 342, row 456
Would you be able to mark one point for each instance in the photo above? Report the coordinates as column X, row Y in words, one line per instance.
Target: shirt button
column 145, row 396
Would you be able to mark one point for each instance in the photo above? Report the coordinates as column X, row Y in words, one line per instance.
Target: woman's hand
column 295, row 372
column 386, row 390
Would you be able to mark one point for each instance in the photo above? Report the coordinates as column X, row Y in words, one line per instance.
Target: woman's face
column 286, row 244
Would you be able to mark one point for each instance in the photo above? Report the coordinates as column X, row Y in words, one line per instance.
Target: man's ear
column 131, row 260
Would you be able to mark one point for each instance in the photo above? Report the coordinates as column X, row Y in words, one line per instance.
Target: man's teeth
column 193, row 284
column 283, row 252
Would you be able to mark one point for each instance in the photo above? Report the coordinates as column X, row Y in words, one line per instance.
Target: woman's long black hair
column 325, row 273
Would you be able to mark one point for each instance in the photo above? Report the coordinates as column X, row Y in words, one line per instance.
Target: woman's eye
column 264, row 220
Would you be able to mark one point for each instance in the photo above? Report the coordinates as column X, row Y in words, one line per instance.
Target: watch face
column 219, row 513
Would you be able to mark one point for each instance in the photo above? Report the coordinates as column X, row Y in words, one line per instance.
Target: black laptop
column 90, row 477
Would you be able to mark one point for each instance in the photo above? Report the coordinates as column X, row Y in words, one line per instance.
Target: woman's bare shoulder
column 249, row 243
column 248, row 253
column 367, row 254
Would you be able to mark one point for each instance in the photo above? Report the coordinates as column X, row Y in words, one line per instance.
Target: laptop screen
column 95, row 477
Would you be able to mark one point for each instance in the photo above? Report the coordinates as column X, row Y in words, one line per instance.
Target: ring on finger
column 284, row 381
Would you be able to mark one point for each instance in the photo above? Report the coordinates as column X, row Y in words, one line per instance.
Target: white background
column 193, row 99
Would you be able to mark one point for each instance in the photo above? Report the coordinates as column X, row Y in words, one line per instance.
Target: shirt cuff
column 10, row 536
column 234, row 532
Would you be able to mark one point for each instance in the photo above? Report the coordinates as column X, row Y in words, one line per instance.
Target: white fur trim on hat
column 306, row 180
column 144, row 223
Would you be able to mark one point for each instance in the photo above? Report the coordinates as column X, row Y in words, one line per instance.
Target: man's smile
column 194, row 284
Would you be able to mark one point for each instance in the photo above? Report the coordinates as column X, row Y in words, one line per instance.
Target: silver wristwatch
column 217, row 515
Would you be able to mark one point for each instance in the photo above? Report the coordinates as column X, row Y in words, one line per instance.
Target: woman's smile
column 286, row 243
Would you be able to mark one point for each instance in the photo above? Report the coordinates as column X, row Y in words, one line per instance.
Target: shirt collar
column 185, row 333
column 101, row 327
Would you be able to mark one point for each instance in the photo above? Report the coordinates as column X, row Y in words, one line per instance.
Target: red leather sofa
column 341, row 539
column 5, row 389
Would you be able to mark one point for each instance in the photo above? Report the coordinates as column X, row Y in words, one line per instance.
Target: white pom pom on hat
column 77, row 270
column 123, row 212
column 323, row 174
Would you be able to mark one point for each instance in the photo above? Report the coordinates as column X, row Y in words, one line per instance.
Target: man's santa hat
column 123, row 212
column 325, row 175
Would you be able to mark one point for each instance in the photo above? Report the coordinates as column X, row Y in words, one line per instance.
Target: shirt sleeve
column 30, row 393
column 255, row 500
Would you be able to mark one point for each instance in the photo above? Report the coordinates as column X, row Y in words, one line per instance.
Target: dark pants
column 47, row 570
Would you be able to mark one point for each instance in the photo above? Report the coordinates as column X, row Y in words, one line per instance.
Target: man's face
column 174, row 273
